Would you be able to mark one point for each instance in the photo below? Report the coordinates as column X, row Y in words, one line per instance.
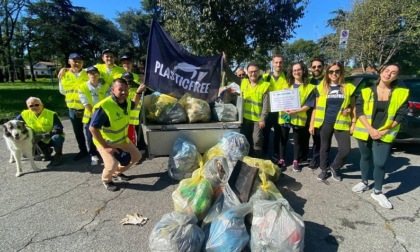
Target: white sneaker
column 95, row 160
column 360, row 187
column 382, row 200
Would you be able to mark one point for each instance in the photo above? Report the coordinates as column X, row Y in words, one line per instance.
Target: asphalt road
column 66, row 208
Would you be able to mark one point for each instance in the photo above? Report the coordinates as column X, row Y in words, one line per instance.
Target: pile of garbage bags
column 210, row 215
column 165, row 109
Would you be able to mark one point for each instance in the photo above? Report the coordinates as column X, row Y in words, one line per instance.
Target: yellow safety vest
column 117, row 132
column 84, row 89
column 299, row 119
column 398, row 97
column 275, row 85
column 135, row 113
column 115, row 73
column 71, row 84
column 39, row 124
column 253, row 98
column 342, row 122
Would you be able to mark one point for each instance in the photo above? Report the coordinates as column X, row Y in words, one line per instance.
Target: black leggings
column 298, row 141
column 343, row 141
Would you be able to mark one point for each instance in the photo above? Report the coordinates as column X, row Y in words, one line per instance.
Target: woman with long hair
column 297, row 78
column 333, row 115
column 380, row 110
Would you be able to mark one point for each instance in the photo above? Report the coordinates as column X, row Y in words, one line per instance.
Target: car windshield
column 414, row 86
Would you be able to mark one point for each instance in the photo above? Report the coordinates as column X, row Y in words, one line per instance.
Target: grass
column 13, row 97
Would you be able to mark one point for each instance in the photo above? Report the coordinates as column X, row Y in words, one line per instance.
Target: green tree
column 300, row 50
column 236, row 27
column 379, row 29
column 10, row 11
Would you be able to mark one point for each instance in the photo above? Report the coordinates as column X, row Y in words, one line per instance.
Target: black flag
column 172, row 70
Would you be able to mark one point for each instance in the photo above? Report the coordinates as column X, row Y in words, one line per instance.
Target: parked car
column 410, row 127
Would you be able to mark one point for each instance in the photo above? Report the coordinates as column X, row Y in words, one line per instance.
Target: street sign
column 344, row 39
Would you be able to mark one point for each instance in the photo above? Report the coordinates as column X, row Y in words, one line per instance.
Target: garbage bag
column 157, row 103
column 276, row 227
column 265, row 190
column 193, row 196
column 172, row 114
column 224, row 112
column 235, row 145
column 228, row 231
column 183, row 160
column 197, row 110
column 271, row 170
column 217, row 170
column 213, row 152
column 176, row 232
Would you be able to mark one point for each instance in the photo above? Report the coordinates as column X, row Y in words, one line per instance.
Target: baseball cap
column 127, row 75
column 75, row 56
column 125, row 57
column 107, row 51
column 92, row 68
column 122, row 157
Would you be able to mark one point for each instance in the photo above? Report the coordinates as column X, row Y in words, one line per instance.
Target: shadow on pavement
column 318, row 238
column 408, row 179
column 163, row 182
column 287, row 187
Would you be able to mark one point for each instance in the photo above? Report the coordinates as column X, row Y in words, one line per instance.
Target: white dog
column 19, row 140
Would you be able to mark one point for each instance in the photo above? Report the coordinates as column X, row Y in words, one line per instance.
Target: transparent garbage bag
column 183, row 160
column 217, row 170
column 172, row 114
column 197, row 110
column 176, row 232
column 224, row 112
column 235, row 145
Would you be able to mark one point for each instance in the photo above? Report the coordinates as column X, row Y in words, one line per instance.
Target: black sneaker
column 111, row 186
column 313, row 165
column 81, row 155
column 335, row 174
column 121, row 177
column 322, row 175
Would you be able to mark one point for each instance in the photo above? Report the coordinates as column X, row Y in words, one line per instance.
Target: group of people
column 103, row 102
column 329, row 107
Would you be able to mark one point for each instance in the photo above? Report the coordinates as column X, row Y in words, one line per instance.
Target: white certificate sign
column 283, row 100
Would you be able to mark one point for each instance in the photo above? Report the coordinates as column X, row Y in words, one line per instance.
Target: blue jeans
column 56, row 141
column 91, row 146
column 78, row 130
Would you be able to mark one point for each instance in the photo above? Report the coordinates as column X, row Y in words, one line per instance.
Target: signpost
column 344, row 39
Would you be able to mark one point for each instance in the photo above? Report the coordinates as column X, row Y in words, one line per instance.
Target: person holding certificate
column 333, row 113
column 298, row 79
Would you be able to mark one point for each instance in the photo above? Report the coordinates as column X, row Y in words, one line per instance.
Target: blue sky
column 313, row 24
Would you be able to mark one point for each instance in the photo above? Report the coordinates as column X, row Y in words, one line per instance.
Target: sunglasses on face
column 337, row 72
column 34, row 105
column 317, row 67
column 241, row 75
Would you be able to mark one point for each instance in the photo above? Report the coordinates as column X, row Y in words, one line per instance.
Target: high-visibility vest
column 253, row 98
column 275, row 85
column 115, row 73
column 84, row 89
column 39, row 124
column 117, row 132
column 398, row 97
column 135, row 113
column 71, row 84
column 299, row 119
column 341, row 122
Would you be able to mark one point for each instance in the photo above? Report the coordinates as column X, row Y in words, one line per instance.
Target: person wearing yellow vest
column 380, row 110
column 90, row 93
column 109, row 127
column 69, row 81
column 297, row 78
column 255, row 94
column 47, row 127
column 278, row 81
column 317, row 70
column 108, row 70
column 333, row 113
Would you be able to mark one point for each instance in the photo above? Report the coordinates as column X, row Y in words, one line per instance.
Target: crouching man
column 109, row 128
column 47, row 127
